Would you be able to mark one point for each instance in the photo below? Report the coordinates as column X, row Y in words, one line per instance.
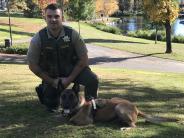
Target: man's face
column 53, row 19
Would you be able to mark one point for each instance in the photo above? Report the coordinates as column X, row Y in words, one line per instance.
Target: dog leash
column 93, row 104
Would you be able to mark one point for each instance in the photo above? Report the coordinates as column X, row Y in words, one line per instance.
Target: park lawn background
column 21, row 115
column 25, row 28
column 155, row 93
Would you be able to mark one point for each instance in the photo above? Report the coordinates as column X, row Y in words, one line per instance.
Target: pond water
column 138, row 22
column 178, row 27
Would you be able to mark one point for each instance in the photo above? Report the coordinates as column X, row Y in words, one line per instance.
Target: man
column 58, row 55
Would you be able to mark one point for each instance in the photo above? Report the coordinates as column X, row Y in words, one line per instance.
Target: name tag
column 48, row 48
column 64, row 46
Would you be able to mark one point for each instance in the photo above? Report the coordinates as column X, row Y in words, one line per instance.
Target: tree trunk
column 156, row 34
column 79, row 26
column 9, row 22
column 168, row 37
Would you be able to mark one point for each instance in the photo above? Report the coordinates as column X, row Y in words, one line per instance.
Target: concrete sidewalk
column 106, row 57
column 13, row 58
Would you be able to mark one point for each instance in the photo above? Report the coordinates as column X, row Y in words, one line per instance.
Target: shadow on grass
column 27, row 118
column 110, row 41
column 7, row 24
column 18, row 32
column 137, row 92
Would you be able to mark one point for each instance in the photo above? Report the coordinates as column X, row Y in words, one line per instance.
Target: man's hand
column 55, row 83
column 82, row 63
column 65, row 81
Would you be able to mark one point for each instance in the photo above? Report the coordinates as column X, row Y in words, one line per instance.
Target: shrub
column 148, row 34
column 105, row 28
column 143, row 34
column 131, row 33
column 160, row 37
column 178, row 39
column 15, row 49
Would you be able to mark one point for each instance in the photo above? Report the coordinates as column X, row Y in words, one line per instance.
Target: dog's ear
column 76, row 88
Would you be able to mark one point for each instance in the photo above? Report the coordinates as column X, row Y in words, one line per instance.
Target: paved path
column 114, row 58
column 106, row 57
column 13, row 58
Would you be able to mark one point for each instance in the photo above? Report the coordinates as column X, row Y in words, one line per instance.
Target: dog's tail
column 156, row 119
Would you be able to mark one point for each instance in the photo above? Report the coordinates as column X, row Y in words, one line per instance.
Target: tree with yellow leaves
column 43, row 3
column 106, row 7
column 165, row 12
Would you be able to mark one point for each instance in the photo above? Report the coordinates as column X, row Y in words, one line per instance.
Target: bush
column 14, row 50
column 160, row 37
column 20, row 49
column 13, row 14
column 178, row 39
column 148, row 34
column 105, row 28
column 143, row 34
column 131, row 33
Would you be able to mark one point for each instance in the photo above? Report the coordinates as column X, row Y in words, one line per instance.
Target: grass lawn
column 155, row 93
column 24, row 28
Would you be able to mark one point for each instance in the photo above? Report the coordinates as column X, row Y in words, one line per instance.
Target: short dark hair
column 52, row 6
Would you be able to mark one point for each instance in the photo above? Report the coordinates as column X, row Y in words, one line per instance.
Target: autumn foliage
column 165, row 12
column 161, row 10
column 106, row 7
column 43, row 3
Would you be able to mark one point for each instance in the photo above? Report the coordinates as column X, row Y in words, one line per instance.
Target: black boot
column 39, row 91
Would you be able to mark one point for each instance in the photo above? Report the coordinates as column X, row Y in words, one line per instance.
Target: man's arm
column 38, row 72
column 82, row 63
column 33, row 56
column 81, row 51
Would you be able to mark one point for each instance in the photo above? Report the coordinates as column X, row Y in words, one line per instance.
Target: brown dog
column 83, row 113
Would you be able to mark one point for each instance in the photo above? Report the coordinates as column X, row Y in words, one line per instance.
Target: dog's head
column 70, row 99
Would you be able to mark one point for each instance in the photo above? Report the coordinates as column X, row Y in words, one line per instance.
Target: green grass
column 153, row 92
column 24, row 20
column 93, row 36
column 22, row 28
column 5, row 33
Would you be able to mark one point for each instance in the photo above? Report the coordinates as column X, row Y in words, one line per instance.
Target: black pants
column 50, row 96
column 90, row 81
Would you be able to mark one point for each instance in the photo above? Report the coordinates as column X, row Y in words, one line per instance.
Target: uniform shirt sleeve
column 78, row 43
column 34, row 50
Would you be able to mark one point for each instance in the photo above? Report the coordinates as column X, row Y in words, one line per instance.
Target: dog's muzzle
column 66, row 112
